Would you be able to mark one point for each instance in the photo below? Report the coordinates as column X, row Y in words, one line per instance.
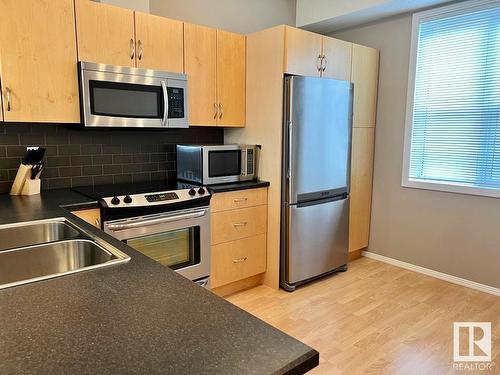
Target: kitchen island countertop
column 138, row 317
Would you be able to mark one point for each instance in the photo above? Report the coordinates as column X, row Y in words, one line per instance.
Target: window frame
column 417, row 19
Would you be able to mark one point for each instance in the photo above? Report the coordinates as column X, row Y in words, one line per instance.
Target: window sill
column 450, row 188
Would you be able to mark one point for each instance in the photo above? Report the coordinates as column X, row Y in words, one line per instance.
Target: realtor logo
column 477, row 347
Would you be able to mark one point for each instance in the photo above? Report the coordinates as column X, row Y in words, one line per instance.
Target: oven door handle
column 159, row 220
column 165, row 103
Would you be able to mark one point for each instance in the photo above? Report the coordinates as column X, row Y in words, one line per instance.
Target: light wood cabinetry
column 311, row 54
column 361, row 187
column 302, row 52
column 231, row 78
column 239, row 226
column 91, row 216
column 112, row 35
column 337, row 59
column 214, row 61
column 160, row 43
column 105, row 33
column 38, row 61
column 200, row 65
column 237, row 260
column 364, row 75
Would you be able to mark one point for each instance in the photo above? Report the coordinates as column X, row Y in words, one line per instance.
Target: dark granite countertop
column 221, row 188
column 138, row 317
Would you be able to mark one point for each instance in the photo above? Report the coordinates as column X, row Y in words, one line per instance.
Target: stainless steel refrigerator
column 316, row 169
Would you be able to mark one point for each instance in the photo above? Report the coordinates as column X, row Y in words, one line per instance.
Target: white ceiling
column 326, row 16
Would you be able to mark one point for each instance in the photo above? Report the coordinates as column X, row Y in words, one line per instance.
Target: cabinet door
column 337, row 62
column 364, row 75
column 105, row 33
column 91, row 216
column 38, row 61
column 200, row 59
column 160, row 43
column 231, row 62
column 302, row 52
column 361, row 187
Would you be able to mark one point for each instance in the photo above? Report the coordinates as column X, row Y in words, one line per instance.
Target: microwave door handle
column 158, row 220
column 165, row 103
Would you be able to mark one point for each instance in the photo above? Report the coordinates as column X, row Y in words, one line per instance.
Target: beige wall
column 451, row 233
column 241, row 16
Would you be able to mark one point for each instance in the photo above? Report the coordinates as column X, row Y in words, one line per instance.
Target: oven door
column 179, row 240
column 127, row 100
column 222, row 164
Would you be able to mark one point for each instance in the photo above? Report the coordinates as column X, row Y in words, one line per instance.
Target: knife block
column 31, row 187
column 23, row 174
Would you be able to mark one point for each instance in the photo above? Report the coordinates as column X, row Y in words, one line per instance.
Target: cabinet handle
column 220, row 110
column 319, row 63
column 242, row 224
column 7, row 97
column 239, row 260
column 139, row 47
column 97, row 223
column 239, row 200
column 216, row 110
column 324, row 60
column 132, row 49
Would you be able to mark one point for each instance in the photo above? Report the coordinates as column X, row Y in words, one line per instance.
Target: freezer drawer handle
column 159, row 220
column 236, row 225
column 239, row 260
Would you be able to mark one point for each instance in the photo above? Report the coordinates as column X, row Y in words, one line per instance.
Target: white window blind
column 455, row 117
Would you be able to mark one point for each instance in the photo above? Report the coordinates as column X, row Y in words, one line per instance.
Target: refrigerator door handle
column 290, row 153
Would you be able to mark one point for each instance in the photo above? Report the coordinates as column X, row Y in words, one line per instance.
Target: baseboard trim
column 436, row 274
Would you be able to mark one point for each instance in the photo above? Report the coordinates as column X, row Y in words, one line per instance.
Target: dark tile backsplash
column 78, row 156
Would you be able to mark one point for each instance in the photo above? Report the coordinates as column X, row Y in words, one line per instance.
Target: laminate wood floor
column 377, row 319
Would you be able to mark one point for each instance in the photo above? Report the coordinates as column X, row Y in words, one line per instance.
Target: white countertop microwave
column 116, row 96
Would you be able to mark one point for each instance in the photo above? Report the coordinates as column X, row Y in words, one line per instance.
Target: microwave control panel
column 250, row 161
column 175, row 102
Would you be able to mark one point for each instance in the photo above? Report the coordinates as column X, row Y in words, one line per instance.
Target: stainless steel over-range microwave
column 116, row 96
column 208, row 165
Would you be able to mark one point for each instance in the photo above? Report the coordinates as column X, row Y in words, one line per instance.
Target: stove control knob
column 201, row 191
column 127, row 199
column 192, row 192
column 115, row 200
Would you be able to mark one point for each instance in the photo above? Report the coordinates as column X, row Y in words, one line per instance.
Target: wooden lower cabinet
column 361, row 187
column 91, row 216
column 239, row 240
column 237, row 260
column 236, row 224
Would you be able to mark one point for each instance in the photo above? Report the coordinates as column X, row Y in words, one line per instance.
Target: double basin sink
column 44, row 249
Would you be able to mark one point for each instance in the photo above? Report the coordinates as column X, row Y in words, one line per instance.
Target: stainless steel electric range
column 167, row 223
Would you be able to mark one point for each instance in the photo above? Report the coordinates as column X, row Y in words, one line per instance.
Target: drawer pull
column 239, row 200
column 242, row 224
column 239, row 260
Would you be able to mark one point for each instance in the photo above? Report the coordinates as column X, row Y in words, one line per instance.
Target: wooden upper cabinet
column 200, row 65
column 302, row 52
column 38, row 61
column 105, row 33
column 364, row 75
column 160, row 43
column 361, row 187
column 231, row 79
column 337, row 59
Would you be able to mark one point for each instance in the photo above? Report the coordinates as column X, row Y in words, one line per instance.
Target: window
column 453, row 113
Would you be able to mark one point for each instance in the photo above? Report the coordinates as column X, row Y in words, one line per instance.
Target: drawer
column 238, row 199
column 237, row 260
column 236, row 224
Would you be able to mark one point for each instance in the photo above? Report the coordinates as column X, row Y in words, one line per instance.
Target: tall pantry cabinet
column 281, row 50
